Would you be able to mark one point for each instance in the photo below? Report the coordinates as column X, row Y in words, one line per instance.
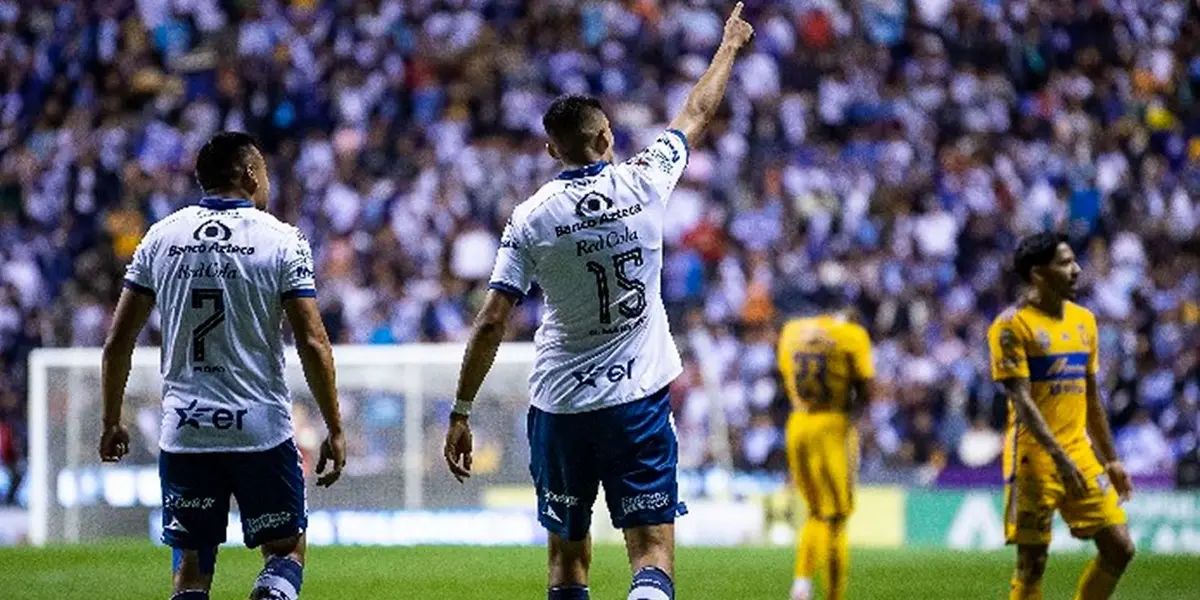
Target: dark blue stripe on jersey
column 683, row 138
column 215, row 203
column 587, row 171
column 1070, row 365
column 507, row 288
column 141, row 289
column 300, row 293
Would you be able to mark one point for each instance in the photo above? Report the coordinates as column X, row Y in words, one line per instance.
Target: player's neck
column 232, row 194
column 1046, row 302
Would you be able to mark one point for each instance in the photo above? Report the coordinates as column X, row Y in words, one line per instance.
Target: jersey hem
column 137, row 287
column 507, row 288
column 236, row 449
column 683, row 138
column 654, row 389
column 299, row 293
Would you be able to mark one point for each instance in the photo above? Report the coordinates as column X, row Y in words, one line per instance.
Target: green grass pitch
column 139, row 571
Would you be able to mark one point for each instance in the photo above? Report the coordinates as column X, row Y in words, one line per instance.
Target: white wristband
column 462, row 407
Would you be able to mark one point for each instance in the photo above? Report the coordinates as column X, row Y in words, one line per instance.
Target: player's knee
column 569, row 561
column 1119, row 554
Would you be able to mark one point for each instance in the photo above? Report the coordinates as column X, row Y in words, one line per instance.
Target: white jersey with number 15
column 219, row 273
column 593, row 241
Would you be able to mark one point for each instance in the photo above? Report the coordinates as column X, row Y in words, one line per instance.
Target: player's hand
column 1120, row 480
column 458, row 447
column 1072, row 478
column 737, row 30
column 114, row 443
column 333, row 450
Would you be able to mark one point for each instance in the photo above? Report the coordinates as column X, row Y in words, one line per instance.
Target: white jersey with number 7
column 593, row 241
column 219, row 272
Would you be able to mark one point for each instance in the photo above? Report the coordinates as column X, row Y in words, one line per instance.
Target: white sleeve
column 139, row 276
column 661, row 164
column 298, row 277
column 513, row 272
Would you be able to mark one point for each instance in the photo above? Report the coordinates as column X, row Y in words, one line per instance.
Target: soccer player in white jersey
column 593, row 240
column 223, row 274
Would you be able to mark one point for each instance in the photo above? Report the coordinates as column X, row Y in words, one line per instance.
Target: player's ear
column 249, row 181
column 552, row 151
column 601, row 144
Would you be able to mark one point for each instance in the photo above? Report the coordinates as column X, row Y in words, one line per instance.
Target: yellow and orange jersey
column 1056, row 355
column 821, row 358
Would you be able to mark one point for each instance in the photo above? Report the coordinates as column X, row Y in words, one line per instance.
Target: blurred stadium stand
column 886, row 150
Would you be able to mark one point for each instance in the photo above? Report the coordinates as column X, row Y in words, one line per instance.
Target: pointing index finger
column 737, row 11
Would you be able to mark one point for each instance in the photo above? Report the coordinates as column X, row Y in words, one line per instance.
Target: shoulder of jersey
column 273, row 222
column 160, row 227
column 549, row 190
column 1080, row 310
column 1007, row 315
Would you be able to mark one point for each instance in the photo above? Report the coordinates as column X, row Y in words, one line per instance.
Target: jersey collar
column 217, row 203
column 587, row 171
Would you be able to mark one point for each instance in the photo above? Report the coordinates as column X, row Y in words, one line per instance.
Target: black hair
column 223, row 160
column 566, row 123
column 1036, row 250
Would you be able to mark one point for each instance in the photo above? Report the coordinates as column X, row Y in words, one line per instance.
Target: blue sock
column 279, row 580
column 190, row 595
column 568, row 592
column 651, row 583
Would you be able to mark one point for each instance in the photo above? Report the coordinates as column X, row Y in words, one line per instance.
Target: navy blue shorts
column 630, row 448
column 268, row 485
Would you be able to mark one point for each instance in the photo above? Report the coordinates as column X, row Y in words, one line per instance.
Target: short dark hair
column 1036, row 250
column 223, row 159
column 566, row 121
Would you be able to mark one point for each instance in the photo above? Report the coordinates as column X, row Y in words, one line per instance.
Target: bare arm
column 862, row 395
column 705, row 97
column 133, row 309
column 1097, row 424
column 485, row 340
column 477, row 361
column 316, row 357
column 1029, row 416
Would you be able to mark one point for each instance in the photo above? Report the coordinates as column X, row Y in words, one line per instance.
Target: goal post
column 395, row 401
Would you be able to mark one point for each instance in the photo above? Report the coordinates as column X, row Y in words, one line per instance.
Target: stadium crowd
column 887, row 151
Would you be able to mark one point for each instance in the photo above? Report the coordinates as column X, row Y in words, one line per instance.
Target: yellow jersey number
column 812, row 381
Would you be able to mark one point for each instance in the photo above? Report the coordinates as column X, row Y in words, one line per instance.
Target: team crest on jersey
column 592, row 204
column 212, row 230
column 1043, row 339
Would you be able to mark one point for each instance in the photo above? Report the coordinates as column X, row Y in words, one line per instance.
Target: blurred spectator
column 1143, row 447
column 887, row 151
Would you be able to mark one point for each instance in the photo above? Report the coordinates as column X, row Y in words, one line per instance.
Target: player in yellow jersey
column 826, row 367
column 1059, row 450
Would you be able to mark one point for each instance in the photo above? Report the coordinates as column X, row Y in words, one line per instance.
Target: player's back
column 1055, row 354
column 219, row 272
column 593, row 240
column 820, row 359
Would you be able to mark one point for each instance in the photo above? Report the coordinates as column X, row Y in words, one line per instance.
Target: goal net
column 395, row 490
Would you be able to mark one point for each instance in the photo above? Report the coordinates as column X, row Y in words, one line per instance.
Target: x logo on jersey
column 587, row 377
column 191, row 415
